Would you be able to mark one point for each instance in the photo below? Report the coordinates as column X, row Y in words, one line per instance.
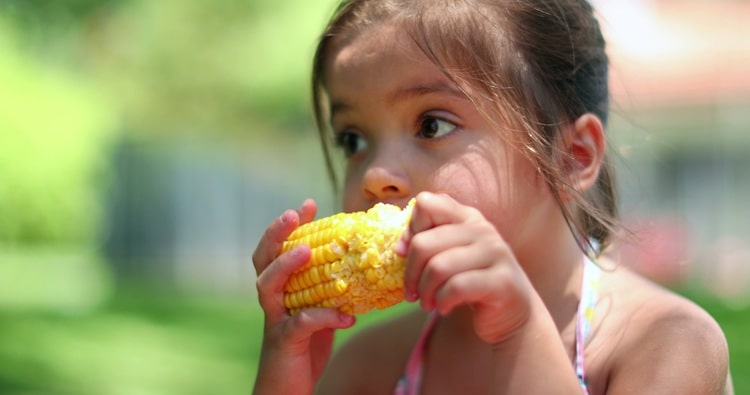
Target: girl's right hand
column 295, row 347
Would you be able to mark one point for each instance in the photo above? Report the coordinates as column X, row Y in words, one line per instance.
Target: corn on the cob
column 353, row 267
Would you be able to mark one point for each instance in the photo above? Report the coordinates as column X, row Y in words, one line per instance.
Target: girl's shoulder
column 643, row 331
column 372, row 359
column 648, row 306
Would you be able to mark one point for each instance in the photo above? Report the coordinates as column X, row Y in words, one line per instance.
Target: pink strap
column 411, row 382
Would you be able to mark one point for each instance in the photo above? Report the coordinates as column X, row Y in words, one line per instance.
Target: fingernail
column 411, row 296
column 401, row 247
column 346, row 319
column 298, row 251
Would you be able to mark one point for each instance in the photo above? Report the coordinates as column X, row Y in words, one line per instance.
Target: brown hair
column 541, row 62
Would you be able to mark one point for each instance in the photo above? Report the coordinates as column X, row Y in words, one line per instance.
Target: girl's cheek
column 351, row 192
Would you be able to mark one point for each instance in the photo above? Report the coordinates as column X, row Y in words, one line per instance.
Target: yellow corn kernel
column 353, row 266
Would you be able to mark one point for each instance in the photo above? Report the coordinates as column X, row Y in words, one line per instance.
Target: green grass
column 139, row 343
column 735, row 321
column 146, row 342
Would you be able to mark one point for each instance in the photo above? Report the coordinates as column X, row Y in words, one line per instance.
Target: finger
column 421, row 220
column 307, row 211
column 431, row 210
column 301, row 327
column 425, row 245
column 270, row 282
column 499, row 307
column 446, row 265
column 493, row 289
column 272, row 240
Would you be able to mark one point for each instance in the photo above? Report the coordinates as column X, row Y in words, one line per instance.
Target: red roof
column 675, row 52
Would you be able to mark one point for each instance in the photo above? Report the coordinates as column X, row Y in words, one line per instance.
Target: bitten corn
column 353, row 267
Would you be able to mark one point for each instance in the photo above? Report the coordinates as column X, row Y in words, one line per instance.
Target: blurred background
column 145, row 146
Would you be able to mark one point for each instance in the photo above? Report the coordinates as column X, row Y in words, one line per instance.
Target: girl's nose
column 382, row 183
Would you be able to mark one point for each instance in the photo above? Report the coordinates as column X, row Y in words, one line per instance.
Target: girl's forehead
column 369, row 40
column 384, row 60
column 376, row 51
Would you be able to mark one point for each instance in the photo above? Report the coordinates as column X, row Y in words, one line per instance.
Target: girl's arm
column 295, row 348
column 533, row 360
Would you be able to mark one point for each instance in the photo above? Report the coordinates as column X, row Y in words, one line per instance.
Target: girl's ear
column 585, row 143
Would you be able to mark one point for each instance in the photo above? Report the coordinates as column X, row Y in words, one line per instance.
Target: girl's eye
column 431, row 128
column 350, row 142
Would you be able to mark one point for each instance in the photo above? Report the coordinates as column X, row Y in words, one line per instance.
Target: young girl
column 491, row 113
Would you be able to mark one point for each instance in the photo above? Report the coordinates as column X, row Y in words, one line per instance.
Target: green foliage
column 54, row 14
column 54, row 131
column 224, row 67
column 74, row 71
column 218, row 67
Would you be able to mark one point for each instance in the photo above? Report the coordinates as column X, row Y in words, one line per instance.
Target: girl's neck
column 556, row 272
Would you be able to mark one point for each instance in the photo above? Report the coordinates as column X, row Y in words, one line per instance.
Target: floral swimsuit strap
column 585, row 316
column 411, row 382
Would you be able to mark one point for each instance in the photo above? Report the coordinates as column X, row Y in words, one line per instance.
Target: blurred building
column 187, row 213
column 681, row 88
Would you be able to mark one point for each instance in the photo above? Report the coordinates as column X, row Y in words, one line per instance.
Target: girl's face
column 406, row 128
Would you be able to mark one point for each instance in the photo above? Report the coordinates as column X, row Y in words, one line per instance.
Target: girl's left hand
column 457, row 257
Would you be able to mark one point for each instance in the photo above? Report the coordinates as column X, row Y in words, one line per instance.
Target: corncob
column 353, row 266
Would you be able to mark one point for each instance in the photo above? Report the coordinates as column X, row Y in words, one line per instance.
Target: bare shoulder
column 373, row 359
column 655, row 340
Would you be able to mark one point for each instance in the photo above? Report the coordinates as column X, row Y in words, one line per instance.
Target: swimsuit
column 411, row 381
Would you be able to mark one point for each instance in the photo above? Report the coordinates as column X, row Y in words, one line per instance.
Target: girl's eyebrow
column 337, row 107
column 406, row 92
column 409, row 91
